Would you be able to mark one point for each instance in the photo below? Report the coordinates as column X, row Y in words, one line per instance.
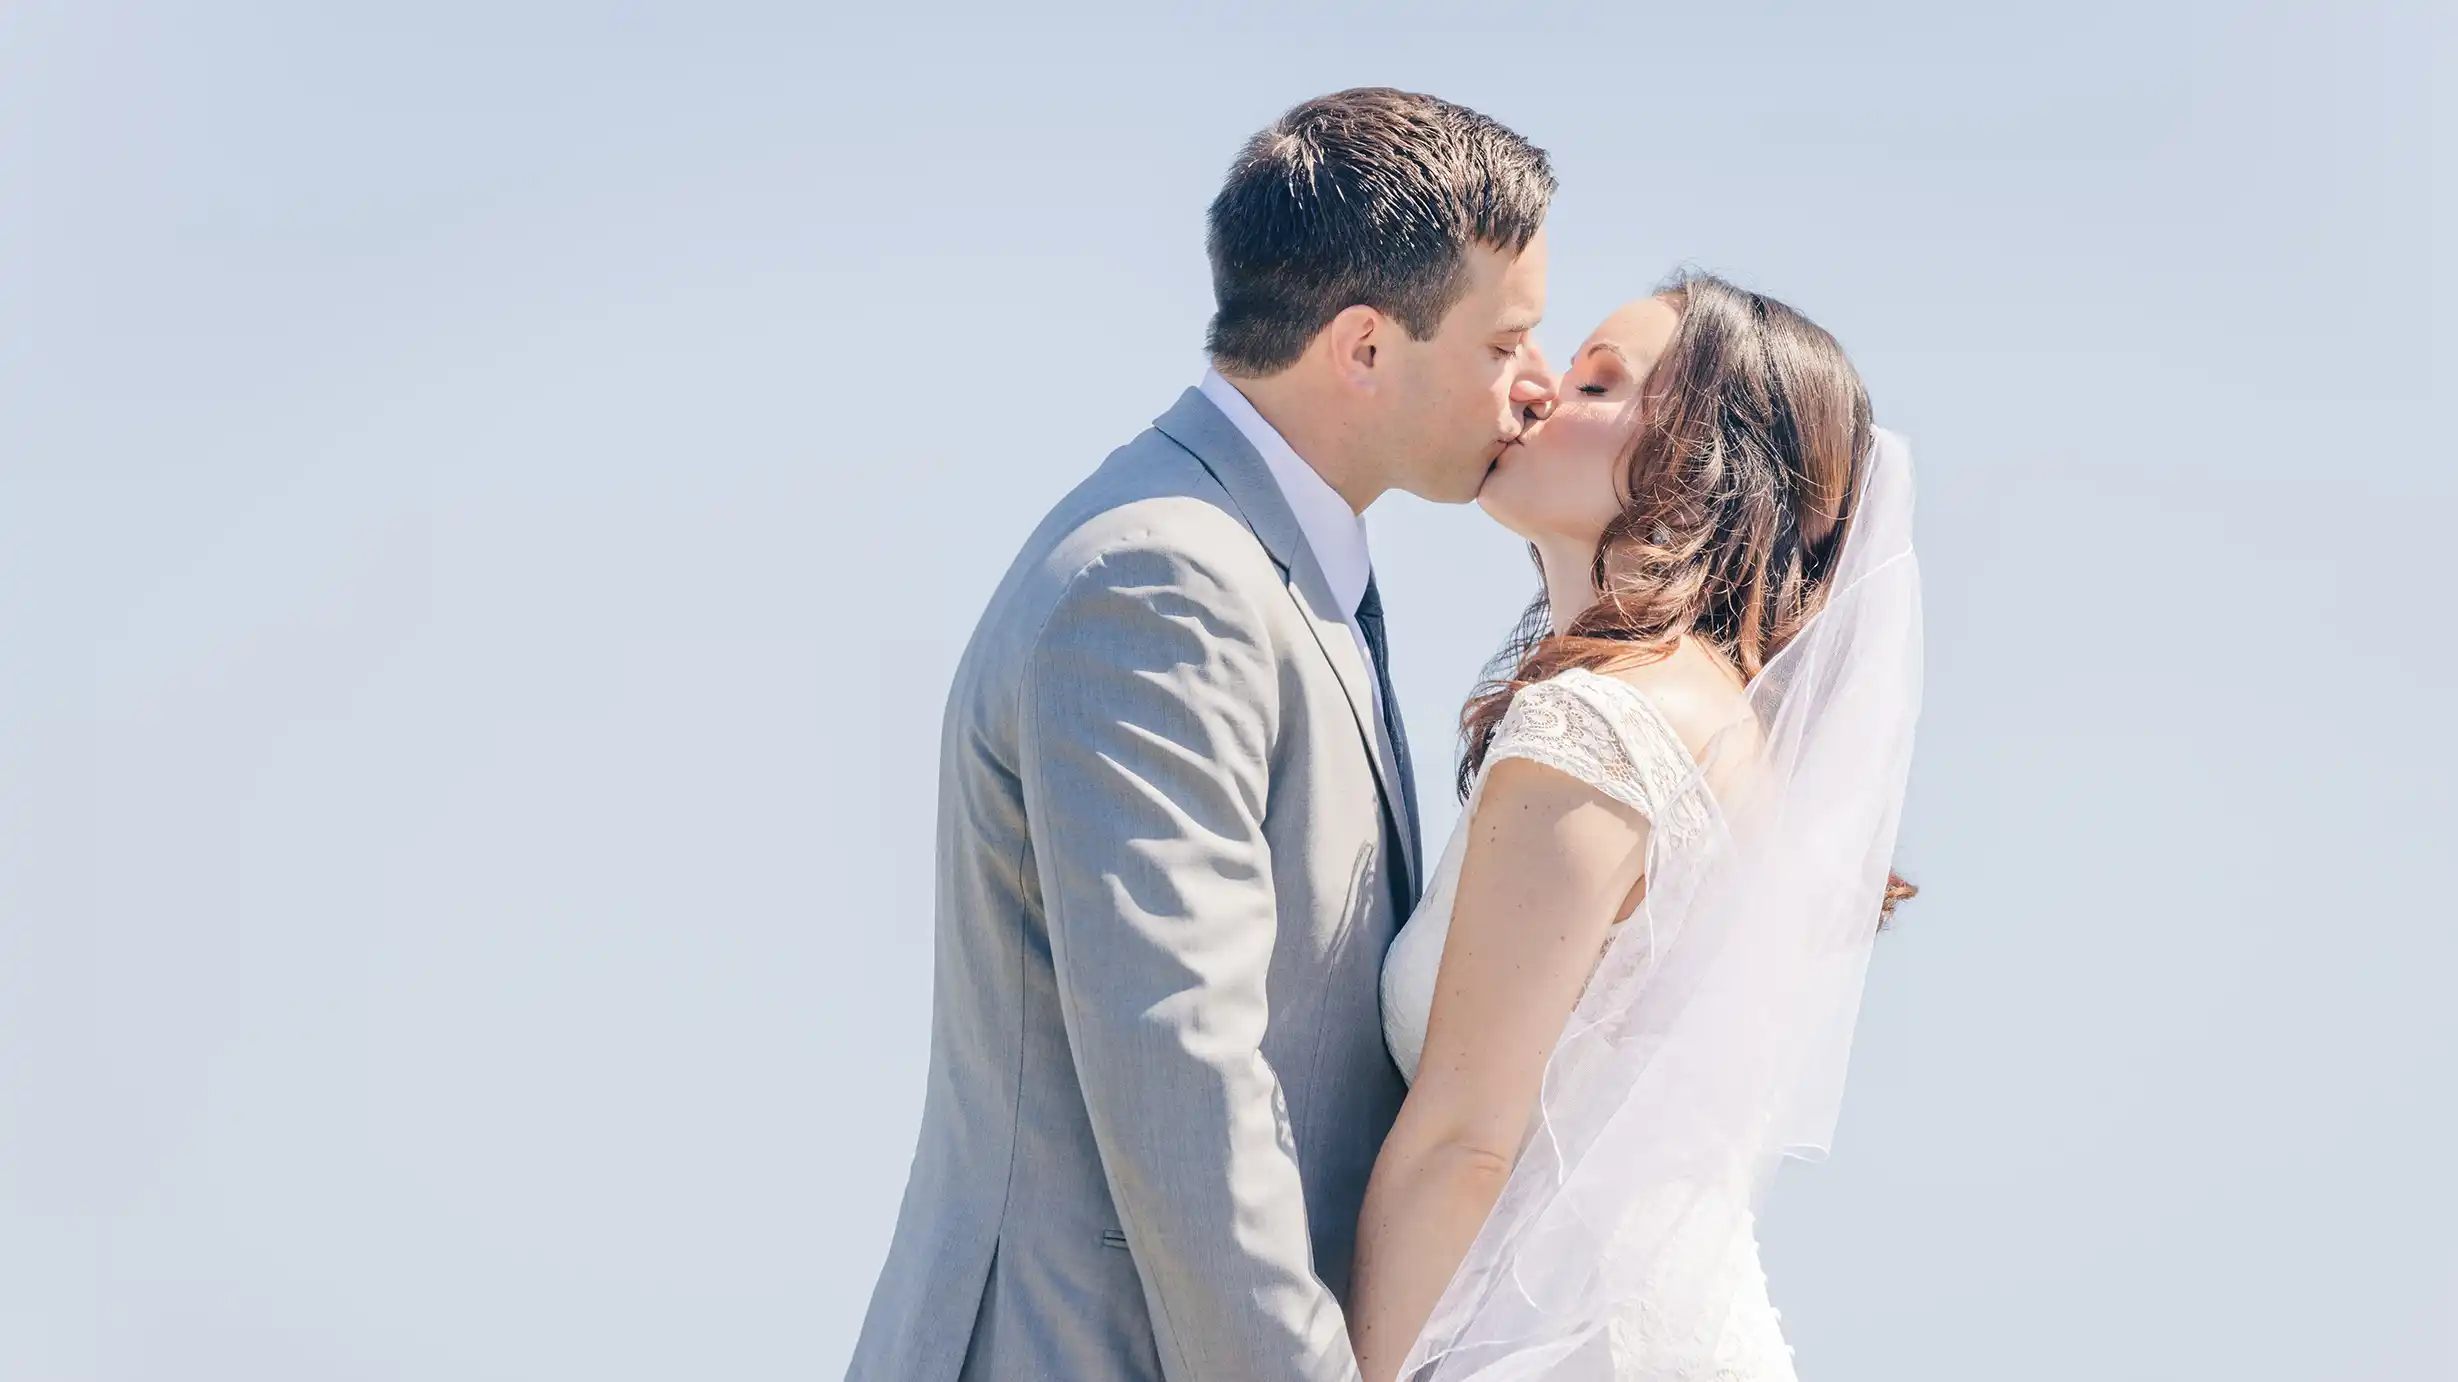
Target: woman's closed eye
column 1606, row 370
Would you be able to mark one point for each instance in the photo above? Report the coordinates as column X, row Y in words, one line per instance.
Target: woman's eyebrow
column 1608, row 345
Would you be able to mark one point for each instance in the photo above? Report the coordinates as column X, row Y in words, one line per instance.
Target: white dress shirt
column 1335, row 532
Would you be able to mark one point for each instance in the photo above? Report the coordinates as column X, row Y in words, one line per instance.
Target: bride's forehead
column 1642, row 326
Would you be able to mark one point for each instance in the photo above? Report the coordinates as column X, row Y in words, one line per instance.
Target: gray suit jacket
column 1172, row 850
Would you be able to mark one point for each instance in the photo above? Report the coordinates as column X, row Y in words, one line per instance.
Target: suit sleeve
column 1146, row 718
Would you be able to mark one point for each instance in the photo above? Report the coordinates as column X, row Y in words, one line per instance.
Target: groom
column 1177, row 824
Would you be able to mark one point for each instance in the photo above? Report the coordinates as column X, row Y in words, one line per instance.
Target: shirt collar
column 1335, row 532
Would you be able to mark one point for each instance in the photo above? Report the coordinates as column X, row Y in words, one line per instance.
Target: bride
column 1631, row 985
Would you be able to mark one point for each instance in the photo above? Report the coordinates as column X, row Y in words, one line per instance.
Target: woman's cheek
column 1605, row 485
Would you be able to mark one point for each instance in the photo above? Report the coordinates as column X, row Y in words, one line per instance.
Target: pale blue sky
column 490, row 497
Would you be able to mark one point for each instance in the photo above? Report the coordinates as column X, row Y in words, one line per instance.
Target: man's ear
column 1354, row 339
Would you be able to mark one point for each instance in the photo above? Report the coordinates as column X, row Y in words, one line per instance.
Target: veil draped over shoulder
column 1713, row 1038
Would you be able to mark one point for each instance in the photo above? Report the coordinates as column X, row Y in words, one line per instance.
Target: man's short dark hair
column 1370, row 197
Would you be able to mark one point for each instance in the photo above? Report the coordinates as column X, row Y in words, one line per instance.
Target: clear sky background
column 491, row 496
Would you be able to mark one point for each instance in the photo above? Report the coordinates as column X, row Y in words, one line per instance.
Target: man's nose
column 1534, row 393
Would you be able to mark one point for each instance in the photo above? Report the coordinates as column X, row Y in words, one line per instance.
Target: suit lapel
column 1216, row 442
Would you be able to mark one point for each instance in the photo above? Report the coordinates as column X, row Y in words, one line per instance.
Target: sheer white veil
column 1712, row 1040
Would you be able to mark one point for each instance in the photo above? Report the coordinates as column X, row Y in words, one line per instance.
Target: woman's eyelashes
column 1604, row 374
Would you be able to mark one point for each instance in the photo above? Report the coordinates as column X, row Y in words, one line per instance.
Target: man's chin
column 1472, row 485
column 1460, row 486
column 1493, row 466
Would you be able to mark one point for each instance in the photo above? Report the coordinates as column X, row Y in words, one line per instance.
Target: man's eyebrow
column 1511, row 325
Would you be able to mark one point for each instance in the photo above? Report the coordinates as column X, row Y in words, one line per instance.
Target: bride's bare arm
column 1551, row 864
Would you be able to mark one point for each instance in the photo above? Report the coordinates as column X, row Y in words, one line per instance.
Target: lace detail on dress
column 1608, row 734
column 1605, row 733
column 1744, row 1344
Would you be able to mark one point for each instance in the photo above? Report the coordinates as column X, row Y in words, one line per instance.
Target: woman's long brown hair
column 1739, row 490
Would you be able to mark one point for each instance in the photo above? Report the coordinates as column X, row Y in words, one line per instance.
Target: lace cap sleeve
column 1605, row 734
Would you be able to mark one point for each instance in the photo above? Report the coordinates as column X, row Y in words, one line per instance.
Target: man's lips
column 1528, row 421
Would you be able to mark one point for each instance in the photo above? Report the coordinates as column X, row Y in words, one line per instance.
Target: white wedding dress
column 1607, row 734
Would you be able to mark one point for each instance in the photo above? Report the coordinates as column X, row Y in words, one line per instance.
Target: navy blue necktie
column 1370, row 623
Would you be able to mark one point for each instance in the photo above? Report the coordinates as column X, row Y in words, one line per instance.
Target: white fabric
column 1598, row 729
column 1335, row 532
column 1712, row 1038
column 1606, row 733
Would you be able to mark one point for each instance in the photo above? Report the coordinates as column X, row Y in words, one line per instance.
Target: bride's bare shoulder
column 1697, row 691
